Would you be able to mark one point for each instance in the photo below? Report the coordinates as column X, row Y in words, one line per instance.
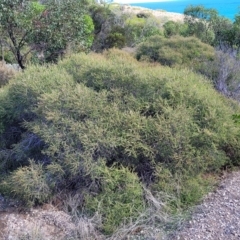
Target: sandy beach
column 160, row 14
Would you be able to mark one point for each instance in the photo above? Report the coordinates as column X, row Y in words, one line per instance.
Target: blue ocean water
column 226, row 8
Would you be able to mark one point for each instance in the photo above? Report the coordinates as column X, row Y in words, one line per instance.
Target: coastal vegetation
column 135, row 139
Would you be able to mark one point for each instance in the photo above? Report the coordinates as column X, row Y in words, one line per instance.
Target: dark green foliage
column 63, row 24
column 143, row 15
column 175, row 51
column 17, row 19
column 116, row 38
column 236, row 31
column 224, row 33
column 200, row 21
column 44, row 29
column 100, row 15
column 138, row 29
column 236, row 118
column 114, row 28
column 172, row 28
column 207, row 25
column 108, row 30
column 93, row 120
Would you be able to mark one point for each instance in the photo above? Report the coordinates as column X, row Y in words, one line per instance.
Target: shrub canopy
column 93, row 112
column 175, row 51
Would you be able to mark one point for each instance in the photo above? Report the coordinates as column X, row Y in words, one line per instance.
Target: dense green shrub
column 139, row 29
column 109, row 31
column 29, row 184
column 17, row 100
column 121, row 197
column 47, row 29
column 125, row 77
column 100, row 14
column 92, row 120
column 8, row 56
column 190, row 51
column 116, row 38
column 201, row 21
column 172, row 28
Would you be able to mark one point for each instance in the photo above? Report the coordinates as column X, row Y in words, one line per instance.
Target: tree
column 65, row 24
column 17, row 19
column 172, row 28
column 47, row 28
column 236, row 30
column 224, row 33
column 199, row 20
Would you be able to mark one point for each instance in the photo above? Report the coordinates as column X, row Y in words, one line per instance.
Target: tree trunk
column 20, row 60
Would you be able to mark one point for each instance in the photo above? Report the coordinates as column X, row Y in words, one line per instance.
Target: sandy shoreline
column 161, row 14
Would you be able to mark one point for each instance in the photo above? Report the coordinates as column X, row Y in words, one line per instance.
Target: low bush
column 116, row 38
column 29, row 184
column 100, row 15
column 188, row 52
column 137, row 29
column 121, row 197
column 172, row 28
column 104, row 125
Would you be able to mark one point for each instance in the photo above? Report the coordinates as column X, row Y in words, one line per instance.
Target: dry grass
column 152, row 223
column 5, row 74
column 84, row 227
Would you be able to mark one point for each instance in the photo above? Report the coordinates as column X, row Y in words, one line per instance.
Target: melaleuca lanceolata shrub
column 169, row 126
column 175, row 51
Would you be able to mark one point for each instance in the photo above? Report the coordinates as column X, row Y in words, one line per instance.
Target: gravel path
column 218, row 217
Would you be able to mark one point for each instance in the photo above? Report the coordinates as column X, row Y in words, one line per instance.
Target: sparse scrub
column 35, row 234
column 139, row 29
column 116, row 28
column 224, row 73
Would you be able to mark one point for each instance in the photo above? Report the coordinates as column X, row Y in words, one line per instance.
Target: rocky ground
column 218, row 217
column 45, row 223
